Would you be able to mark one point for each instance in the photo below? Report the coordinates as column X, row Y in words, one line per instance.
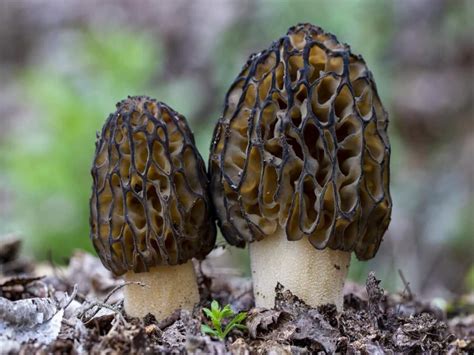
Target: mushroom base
column 166, row 289
column 315, row 276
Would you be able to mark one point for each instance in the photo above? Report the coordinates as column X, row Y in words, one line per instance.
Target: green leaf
column 227, row 312
column 208, row 330
column 228, row 329
column 208, row 313
column 216, row 315
column 215, row 307
column 240, row 317
column 234, row 323
column 216, row 323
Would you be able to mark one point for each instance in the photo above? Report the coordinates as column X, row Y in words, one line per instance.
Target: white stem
column 167, row 289
column 315, row 276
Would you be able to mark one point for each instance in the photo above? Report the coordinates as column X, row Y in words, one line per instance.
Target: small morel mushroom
column 150, row 206
column 299, row 165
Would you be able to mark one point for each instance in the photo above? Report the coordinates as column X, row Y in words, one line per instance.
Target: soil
column 87, row 302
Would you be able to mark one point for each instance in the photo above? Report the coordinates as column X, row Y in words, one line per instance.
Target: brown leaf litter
column 92, row 320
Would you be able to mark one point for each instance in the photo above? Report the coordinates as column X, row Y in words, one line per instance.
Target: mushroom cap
column 302, row 146
column 149, row 203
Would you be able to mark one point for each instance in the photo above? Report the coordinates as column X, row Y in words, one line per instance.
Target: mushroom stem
column 166, row 289
column 315, row 276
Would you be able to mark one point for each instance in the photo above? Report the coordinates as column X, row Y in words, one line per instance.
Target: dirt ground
column 78, row 309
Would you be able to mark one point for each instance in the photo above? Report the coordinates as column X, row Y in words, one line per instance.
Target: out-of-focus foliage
column 64, row 65
column 48, row 157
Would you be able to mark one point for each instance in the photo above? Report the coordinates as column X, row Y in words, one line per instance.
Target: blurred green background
column 64, row 65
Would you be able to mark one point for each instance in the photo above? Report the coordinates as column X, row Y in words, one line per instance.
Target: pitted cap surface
column 149, row 203
column 302, row 146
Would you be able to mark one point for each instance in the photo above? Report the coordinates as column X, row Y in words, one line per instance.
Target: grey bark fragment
column 33, row 319
column 27, row 313
column 43, row 333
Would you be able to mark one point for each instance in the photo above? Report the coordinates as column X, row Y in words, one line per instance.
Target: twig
column 100, row 304
column 106, row 299
column 406, row 284
column 72, row 297
column 118, row 287
column 114, row 326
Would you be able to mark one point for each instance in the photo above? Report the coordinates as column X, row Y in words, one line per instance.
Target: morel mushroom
column 150, row 206
column 299, row 165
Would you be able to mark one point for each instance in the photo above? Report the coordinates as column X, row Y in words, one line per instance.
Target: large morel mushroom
column 299, row 165
column 150, row 206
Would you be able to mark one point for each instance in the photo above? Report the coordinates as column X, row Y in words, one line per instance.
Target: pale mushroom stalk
column 315, row 276
column 171, row 287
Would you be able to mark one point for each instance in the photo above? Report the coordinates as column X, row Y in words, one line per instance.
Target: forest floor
column 78, row 309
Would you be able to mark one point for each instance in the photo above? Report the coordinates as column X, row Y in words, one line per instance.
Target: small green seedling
column 217, row 315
